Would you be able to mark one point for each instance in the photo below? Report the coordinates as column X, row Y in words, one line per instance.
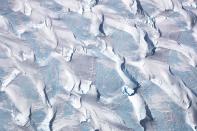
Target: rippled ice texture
column 98, row 65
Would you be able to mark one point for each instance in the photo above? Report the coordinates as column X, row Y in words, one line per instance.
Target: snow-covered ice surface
column 98, row 65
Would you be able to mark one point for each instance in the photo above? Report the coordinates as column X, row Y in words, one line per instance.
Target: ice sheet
column 98, row 65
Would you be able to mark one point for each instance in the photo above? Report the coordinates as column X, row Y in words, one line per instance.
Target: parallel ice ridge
column 98, row 65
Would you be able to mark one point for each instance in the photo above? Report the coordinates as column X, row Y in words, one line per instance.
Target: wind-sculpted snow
column 98, row 65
